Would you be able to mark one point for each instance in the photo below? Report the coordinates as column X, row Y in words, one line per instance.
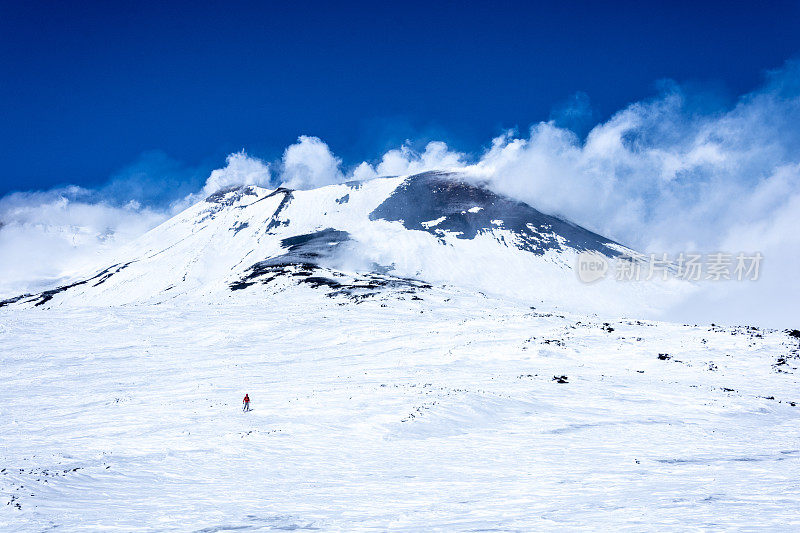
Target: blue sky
column 87, row 88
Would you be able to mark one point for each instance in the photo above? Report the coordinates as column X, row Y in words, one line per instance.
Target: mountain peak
column 377, row 238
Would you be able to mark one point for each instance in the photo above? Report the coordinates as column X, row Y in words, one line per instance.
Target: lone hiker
column 246, row 403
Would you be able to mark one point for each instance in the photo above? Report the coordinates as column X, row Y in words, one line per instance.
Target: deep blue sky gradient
column 87, row 87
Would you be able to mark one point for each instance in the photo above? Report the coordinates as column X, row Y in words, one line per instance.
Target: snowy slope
column 403, row 373
column 246, row 243
column 424, row 415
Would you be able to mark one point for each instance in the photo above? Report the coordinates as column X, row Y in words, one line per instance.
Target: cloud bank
column 669, row 174
column 240, row 169
column 46, row 236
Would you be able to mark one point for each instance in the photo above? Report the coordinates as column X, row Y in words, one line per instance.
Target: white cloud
column 241, row 169
column 308, row 164
column 662, row 177
column 405, row 160
column 364, row 171
column 47, row 235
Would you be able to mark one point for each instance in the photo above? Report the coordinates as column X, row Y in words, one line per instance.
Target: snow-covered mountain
column 399, row 376
column 381, row 237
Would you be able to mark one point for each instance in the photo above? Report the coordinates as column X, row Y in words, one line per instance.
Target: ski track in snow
column 439, row 414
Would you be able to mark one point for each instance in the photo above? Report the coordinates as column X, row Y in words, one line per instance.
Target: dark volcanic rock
column 468, row 210
column 276, row 220
column 310, row 247
column 230, row 195
column 45, row 296
column 302, row 262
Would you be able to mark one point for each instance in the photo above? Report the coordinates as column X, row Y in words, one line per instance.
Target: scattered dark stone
column 275, row 221
column 664, row 357
column 230, row 195
column 302, row 259
column 239, row 285
column 15, row 299
column 45, row 296
column 319, row 281
column 560, row 379
column 107, row 273
column 793, row 333
column 239, row 227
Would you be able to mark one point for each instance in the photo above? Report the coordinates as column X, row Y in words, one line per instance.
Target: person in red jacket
column 246, row 403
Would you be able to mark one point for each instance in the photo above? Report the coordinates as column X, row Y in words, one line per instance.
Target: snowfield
column 439, row 413
column 411, row 366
